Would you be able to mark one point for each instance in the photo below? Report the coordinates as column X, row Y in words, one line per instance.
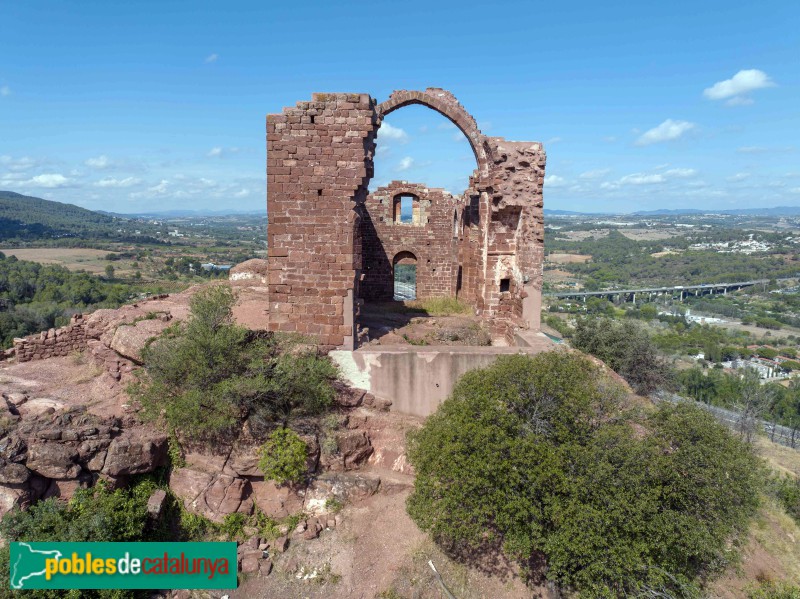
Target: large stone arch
column 446, row 104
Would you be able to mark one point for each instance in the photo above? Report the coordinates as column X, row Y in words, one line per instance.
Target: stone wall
column 319, row 161
column 53, row 343
column 431, row 241
column 327, row 249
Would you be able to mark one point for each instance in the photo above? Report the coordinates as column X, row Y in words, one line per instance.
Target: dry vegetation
column 90, row 260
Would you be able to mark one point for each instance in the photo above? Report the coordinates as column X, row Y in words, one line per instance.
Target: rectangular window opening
column 406, row 209
column 505, row 285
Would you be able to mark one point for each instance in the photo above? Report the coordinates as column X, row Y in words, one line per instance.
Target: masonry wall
column 328, row 246
column 319, row 161
column 53, row 343
column 433, row 239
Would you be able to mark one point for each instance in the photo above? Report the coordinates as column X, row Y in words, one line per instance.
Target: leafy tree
column 626, row 348
column 206, row 376
column 109, row 271
column 537, row 455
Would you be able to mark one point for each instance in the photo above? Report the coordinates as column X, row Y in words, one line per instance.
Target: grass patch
column 440, row 306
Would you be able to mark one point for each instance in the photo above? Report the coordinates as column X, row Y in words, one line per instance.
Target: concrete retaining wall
column 416, row 379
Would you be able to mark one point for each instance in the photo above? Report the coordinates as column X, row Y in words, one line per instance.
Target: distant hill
column 776, row 211
column 189, row 213
column 26, row 218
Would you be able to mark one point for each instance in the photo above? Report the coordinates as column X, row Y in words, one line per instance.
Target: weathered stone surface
column 12, row 496
column 156, row 503
column 213, row 496
column 40, row 405
column 130, row 340
column 65, row 489
column 345, row 487
column 250, row 561
column 485, row 245
column 53, row 460
column 243, row 462
column 275, row 501
column 12, row 473
column 354, row 448
column 187, row 484
column 255, row 269
column 128, row 455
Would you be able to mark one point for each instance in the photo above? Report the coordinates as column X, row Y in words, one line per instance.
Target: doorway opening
column 405, row 276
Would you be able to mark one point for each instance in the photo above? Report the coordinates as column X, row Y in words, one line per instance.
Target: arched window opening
column 455, row 224
column 405, row 276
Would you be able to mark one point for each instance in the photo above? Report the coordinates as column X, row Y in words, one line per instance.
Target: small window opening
column 319, row 191
column 505, row 285
column 406, row 209
column 312, row 119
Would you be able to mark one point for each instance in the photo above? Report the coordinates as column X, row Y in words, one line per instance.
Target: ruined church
column 333, row 245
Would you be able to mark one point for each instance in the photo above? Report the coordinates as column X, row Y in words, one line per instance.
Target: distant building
column 212, row 266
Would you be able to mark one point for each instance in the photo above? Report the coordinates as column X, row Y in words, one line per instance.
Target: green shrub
column 786, row 489
column 95, row 514
column 773, row 590
column 233, row 526
column 283, row 457
column 538, row 456
column 626, row 348
column 206, row 376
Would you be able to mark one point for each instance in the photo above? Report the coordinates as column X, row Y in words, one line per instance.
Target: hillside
column 25, row 218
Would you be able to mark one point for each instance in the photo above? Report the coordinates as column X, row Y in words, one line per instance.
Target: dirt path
column 377, row 551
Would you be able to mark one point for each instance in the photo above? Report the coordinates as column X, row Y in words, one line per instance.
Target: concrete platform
column 416, row 379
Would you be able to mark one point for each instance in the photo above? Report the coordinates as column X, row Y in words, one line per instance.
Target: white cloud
column 680, row 173
column 741, row 83
column 242, row 193
column 554, row 181
column 405, row 164
column 19, row 164
column 110, row 182
column 595, row 173
column 642, row 179
column 667, row 131
column 740, row 101
column 214, row 152
column 553, row 140
column 395, row 133
column 48, row 180
column 739, row 177
column 100, row 162
column 159, row 189
column 212, row 58
column 5, row 91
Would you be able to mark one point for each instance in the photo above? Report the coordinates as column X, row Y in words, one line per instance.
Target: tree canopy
column 539, row 456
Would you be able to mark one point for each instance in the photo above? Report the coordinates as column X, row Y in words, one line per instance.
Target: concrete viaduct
column 677, row 292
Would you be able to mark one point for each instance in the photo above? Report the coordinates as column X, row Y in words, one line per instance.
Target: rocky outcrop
column 250, row 271
column 52, row 452
column 128, row 340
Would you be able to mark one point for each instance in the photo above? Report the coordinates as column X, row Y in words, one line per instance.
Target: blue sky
column 160, row 105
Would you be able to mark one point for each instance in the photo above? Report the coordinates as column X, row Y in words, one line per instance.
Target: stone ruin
column 333, row 245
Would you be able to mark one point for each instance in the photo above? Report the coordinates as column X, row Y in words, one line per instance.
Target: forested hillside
column 35, row 297
column 25, row 218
